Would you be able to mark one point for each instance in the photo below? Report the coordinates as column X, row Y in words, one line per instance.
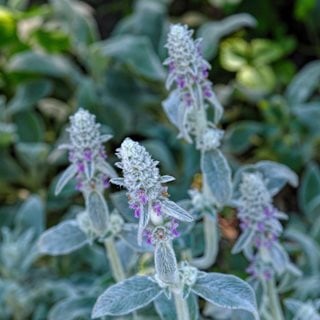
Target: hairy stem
column 182, row 309
column 114, row 260
column 211, row 243
column 274, row 301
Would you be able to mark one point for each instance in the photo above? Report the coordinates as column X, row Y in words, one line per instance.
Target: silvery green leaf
column 165, row 262
column 177, row 113
column 309, row 190
column 117, row 181
column 89, row 169
column 244, row 239
column 105, row 137
column 171, row 209
column 126, row 296
column 167, row 311
column 226, row 291
column 66, row 176
column 98, row 211
column 293, row 305
column 193, row 306
column 72, row 309
column 120, row 201
column 217, row 107
column 32, row 154
column 279, row 258
column 212, row 32
column 31, row 215
column 129, row 235
column 107, row 169
column 239, row 135
column 309, row 246
column 306, row 113
column 28, row 94
column 217, row 175
column 136, row 53
column 170, row 106
column 166, row 179
column 62, row 239
column 165, row 308
column 143, row 222
column 277, row 175
column 304, row 83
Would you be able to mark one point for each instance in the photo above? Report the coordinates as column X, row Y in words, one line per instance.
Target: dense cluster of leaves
column 53, row 61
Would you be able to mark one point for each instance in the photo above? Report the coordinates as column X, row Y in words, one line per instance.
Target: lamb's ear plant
column 158, row 222
column 92, row 172
column 303, row 310
column 190, row 107
column 261, row 230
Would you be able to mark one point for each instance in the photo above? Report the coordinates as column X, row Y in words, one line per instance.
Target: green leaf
column 217, row 175
column 98, row 211
column 53, row 40
column 234, row 54
column 126, row 296
column 260, row 79
column 310, row 248
column 213, row 32
column 10, row 171
column 8, row 26
column 56, row 66
column 7, row 134
column 28, row 94
column 151, row 13
column 72, row 308
column 30, row 127
column 307, row 112
column 160, row 151
column 137, row 54
column 64, row 238
column 32, row 154
column 120, row 202
column 303, row 8
column 265, row 51
column 31, row 215
column 309, row 189
column 226, row 291
column 304, row 83
column 166, row 308
column 78, row 19
column 239, row 136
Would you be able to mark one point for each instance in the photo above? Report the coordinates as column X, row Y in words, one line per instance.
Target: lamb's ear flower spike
column 148, row 197
column 187, row 107
column 88, row 166
column 259, row 241
column 188, row 77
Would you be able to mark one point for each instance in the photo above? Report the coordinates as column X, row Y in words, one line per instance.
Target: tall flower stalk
column 259, row 241
column 92, row 172
column 158, row 226
column 187, row 107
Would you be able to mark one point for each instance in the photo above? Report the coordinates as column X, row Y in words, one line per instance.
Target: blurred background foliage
column 106, row 56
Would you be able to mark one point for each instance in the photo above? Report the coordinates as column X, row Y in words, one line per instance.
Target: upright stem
column 274, row 301
column 211, row 243
column 182, row 309
column 114, row 260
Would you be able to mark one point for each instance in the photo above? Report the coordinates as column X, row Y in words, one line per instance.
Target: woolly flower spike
column 188, row 76
column 86, row 154
column 259, row 222
column 88, row 165
column 185, row 61
column 147, row 195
